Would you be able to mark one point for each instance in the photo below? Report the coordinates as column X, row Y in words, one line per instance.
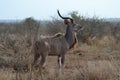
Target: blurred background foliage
column 93, row 27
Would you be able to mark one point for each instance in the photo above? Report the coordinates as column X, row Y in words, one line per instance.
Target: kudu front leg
column 61, row 60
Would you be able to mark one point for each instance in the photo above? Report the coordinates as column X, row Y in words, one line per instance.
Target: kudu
column 57, row 46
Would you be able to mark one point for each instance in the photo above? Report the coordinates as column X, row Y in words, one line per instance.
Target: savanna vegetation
column 97, row 56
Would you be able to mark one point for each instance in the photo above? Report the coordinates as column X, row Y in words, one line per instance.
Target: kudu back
column 56, row 46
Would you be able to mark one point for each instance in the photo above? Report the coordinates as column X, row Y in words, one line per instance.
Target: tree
column 75, row 16
column 31, row 24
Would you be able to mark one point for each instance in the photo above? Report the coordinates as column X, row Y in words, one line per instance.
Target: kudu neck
column 70, row 37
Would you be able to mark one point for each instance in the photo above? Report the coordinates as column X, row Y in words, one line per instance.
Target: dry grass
column 98, row 61
column 85, row 70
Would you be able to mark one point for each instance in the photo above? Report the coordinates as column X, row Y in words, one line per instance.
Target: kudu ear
column 66, row 21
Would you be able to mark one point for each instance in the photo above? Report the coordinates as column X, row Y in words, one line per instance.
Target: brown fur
column 75, row 45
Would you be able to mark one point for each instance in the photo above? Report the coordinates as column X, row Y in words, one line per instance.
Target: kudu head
column 70, row 23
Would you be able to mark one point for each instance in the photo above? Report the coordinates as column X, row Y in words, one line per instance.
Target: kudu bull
column 57, row 46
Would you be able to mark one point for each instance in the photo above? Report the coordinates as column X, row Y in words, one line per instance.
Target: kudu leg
column 61, row 64
column 61, row 60
column 36, row 57
column 42, row 61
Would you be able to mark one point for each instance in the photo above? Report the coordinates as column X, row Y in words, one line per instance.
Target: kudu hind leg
column 36, row 57
column 43, row 60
